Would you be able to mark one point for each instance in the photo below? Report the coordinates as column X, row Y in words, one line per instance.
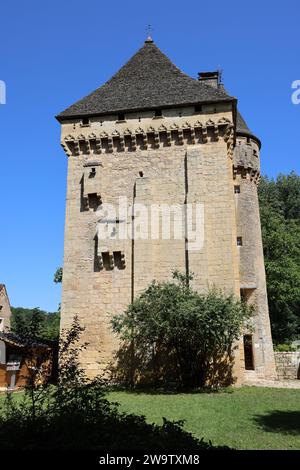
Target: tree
column 280, row 220
column 58, row 275
column 27, row 322
column 24, row 320
column 173, row 330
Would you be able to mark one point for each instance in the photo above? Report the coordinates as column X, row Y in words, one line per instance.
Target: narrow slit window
column 237, row 189
column 248, row 352
column 239, row 241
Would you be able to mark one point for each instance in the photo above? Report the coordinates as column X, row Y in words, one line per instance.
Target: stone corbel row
column 82, row 145
column 229, row 139
column 246, row 173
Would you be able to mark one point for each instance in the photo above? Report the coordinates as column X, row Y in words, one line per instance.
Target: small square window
column 85, row 121
column 255, row 152
column 198, row 108
column 158, row 113
column 239, row 241
column 237, row 189
column 121, row 117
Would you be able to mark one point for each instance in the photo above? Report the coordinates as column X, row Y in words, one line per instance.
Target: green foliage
column 280, row 219
column 58, row 275
column 26, row 322
column 285, row 348
column 172, row 328
column 77, row 415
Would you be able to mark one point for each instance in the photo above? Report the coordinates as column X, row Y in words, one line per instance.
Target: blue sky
column 53, row 53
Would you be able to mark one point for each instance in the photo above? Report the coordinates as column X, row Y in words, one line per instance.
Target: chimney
column 211, row 78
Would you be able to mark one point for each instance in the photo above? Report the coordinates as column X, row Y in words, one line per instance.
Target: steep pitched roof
column 241, row 125
column 148, row 80
column 243, row 129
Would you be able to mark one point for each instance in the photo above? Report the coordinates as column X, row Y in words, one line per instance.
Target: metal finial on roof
column 220, row 77
column 149, row 39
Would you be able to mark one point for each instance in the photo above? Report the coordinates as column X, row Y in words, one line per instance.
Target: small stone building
column 20, row 359
column 153, row 136
column 5, row 311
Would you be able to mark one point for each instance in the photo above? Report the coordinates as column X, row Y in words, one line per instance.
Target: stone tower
column 154, row 137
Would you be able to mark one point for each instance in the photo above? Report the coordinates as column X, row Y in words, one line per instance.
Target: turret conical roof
column 243, row 129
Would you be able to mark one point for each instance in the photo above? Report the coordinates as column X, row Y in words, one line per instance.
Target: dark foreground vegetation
column 76, row 415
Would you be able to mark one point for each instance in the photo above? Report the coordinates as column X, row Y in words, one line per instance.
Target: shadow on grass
column 285, row 422
column 110, row 431
column 140, row 390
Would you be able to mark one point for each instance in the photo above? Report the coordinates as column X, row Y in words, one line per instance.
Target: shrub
column 174, row 333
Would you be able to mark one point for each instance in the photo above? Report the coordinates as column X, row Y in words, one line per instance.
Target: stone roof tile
column 148, row 80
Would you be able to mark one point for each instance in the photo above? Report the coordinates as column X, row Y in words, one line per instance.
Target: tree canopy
column 58, row 275
column 35, row 322
column 280, row 220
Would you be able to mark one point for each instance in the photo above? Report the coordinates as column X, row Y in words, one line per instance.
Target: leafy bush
column 174, row 333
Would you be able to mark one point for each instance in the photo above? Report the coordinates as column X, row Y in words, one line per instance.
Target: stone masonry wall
column 188, row 170
column 288, row 365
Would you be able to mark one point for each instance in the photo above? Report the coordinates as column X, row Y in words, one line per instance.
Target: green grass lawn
column 246, row 418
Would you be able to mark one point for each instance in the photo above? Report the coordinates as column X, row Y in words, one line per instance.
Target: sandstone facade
column 197, row 153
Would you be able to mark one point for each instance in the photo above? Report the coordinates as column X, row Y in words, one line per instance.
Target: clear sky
column 55, row 52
